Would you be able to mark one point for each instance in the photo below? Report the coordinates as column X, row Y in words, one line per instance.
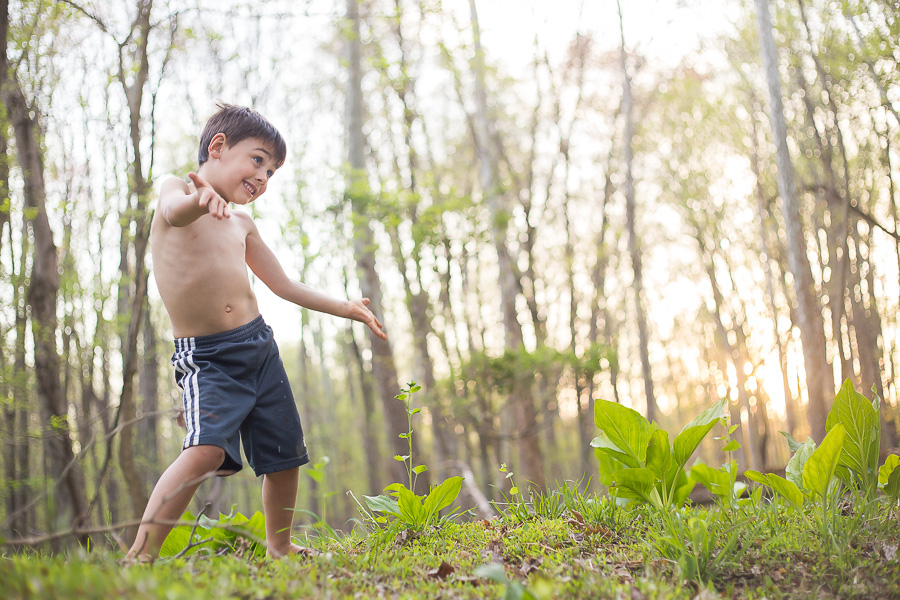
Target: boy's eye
column 270, row 173
column 258, row 160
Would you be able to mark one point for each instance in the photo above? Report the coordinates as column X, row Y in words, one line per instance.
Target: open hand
column 358, row 311
column 209, row 198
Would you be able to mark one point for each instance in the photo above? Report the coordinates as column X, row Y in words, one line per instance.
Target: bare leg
column 279, row 494
column 171, row 496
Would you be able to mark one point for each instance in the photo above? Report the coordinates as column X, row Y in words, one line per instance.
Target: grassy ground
column 553, row 550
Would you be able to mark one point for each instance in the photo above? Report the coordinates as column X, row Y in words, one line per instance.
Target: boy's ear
column 216, row 145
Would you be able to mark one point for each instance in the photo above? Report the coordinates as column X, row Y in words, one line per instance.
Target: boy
column 234, row 386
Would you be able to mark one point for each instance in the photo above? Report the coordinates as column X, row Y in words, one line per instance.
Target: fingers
column 199, row 182
column 207, row 197
column 369, row 318
column 376, row 328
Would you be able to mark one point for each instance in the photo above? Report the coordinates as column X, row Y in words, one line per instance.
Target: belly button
column 227, row 308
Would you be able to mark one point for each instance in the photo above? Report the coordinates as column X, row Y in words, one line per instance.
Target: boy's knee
column 210, row 457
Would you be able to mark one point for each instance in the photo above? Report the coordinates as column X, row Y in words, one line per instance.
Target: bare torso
column 201, row 273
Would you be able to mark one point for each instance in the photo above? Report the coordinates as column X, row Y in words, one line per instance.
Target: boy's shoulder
column 173, row 184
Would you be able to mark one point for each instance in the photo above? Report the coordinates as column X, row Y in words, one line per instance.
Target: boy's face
column 240, row 173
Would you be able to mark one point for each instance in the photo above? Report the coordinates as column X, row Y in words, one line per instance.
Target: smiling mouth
column 250, row 189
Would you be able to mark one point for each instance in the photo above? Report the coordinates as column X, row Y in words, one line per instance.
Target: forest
column 586, row 225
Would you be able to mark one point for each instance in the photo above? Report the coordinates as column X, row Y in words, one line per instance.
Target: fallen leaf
column 530, row 565
column 444, row 571
column 890, row 551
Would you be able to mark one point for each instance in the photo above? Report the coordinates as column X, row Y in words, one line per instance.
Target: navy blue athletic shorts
column 234, row 387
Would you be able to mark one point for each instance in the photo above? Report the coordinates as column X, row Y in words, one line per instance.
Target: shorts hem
column 282, row 466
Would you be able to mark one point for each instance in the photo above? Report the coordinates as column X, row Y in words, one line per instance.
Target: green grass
column 609, row 555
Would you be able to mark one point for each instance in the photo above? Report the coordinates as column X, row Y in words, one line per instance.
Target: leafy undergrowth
column 609, row 553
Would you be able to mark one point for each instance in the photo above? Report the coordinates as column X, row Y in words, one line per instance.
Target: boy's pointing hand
column 208, row 198
column 358, row 311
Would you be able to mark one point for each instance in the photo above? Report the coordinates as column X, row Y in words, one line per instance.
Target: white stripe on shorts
column 195, row 385
column 190, row 390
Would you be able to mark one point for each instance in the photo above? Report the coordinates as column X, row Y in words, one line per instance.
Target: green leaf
column 793, row 444
column 415, row 388
column 731, row 446
column 684, row 485
column 603, row 445
column 415, row 411
column 794, row 469
column 859, row 452
column 892, row 487
column 400, row 396
column 420, row 469
column 890, row 463
column 384, row 504
column 692, row 434
column 176, row 541
column 819, row 469
column 256, row 527
column 787, row 489
column 404, row 436
column 513, row 491
column 639, row 482
column 626, row 428
column 717, row 481
column 659, row 454
column 443, row 495
column 411, row 511
column 889, row 476
column 400, row 458
column 607, row 465
column 783, row 487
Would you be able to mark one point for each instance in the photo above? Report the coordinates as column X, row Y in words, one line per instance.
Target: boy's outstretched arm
column 180, row 206
column 264, row 264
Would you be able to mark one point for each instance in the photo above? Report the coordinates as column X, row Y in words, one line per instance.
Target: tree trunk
column 65, row 472
column 790, row 408
column 358, row 193
column 819, row 381
column 634, row 245
column 148, row 438
column 521, row 399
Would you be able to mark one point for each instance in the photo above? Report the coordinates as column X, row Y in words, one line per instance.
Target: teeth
column 249, row 188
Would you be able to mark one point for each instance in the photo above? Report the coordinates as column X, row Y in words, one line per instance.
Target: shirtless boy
column 234, row 387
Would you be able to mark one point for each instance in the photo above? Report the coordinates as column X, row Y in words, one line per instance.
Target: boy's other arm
column 180, row 206
column 264, row 264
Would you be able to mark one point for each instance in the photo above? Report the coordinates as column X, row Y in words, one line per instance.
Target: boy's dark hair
column 239, row 123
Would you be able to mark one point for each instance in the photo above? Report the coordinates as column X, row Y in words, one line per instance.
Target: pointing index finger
column 198, row 181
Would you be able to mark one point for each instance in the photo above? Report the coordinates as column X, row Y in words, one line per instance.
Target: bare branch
column 89, row 15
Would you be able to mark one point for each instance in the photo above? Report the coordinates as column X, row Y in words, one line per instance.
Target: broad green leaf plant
column 636, row 460
column 846, row 458
column 416, row 512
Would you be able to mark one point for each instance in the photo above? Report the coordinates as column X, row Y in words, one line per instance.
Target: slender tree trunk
column 65, row 472
column 417, row 301
column 819, row 380
column 634, row 245
column 358, row 193
column 790, row 407
column 366, row 396
column 521, row 398
column 148, row 426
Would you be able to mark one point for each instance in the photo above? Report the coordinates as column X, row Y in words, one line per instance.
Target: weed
column 415, row 512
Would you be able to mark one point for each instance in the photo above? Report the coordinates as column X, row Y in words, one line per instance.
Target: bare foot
column 130, row 560
column 292, row 550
